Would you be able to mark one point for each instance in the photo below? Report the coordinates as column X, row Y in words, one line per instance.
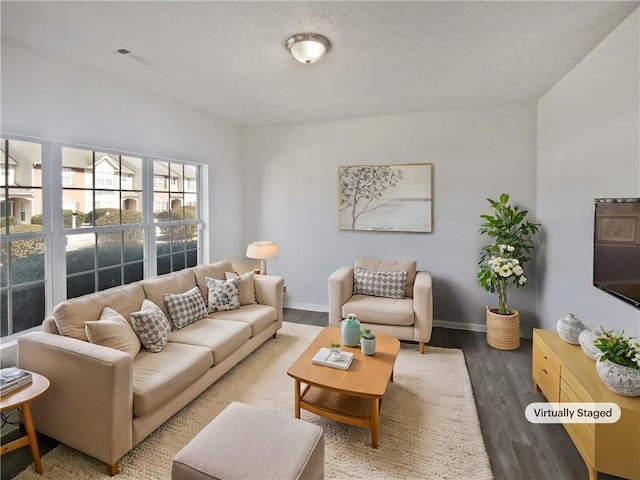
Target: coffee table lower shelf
column 340, row 407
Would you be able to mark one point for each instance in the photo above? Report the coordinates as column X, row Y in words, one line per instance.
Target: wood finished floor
column 502, row 388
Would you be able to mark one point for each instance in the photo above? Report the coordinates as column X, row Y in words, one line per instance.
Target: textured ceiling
column 387, row 57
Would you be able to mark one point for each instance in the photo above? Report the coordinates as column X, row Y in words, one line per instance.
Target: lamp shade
column 307, row 48
column 263, row 249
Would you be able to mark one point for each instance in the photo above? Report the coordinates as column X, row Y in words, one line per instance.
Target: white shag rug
column 429, row 425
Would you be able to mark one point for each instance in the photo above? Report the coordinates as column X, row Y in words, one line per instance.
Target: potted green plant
column 502, row 264
column 367, row 341
column 618, row 363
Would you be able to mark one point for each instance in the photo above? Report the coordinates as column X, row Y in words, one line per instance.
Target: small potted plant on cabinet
column 367, row 341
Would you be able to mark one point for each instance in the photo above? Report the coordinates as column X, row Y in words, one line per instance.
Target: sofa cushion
column 247, row 287
column 223, row 294
column 257, row 316
column 221, row 337
column 379, row 310
column 185, row 308
column 157, row 378
column 151, row 326
column 113, row 331
column 379, row 284
column 380, row 265
column 211, row 270
column 176, row 282
column 71, row 314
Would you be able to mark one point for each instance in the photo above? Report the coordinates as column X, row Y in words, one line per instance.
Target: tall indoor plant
column 503, row 261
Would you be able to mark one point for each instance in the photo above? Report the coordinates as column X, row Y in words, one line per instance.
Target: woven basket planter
column 503, row 331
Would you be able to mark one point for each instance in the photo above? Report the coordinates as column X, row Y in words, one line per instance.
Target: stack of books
column 324, row 357
column 13, row 378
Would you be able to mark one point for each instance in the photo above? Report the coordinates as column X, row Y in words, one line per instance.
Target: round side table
column 20, row 399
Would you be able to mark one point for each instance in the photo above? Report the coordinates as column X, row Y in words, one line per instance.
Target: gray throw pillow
column 185, row 308
column 151, row 326
column 223, row 294
column 379, row 284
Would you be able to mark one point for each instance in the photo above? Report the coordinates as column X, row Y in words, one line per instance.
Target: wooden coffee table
column 351, row 396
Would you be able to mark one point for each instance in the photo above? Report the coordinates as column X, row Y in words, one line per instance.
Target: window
column 103, row 239
column 159, row 181
column 177, row 217
column 67, row 176
column 22, row 239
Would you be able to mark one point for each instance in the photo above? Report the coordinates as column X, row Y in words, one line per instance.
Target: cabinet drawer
column 572, row 382
column 546, row 352
column 582, row 435
column 568, row 395
column 546, row 376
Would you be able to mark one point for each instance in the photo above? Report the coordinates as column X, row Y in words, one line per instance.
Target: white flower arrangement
column 499, row 269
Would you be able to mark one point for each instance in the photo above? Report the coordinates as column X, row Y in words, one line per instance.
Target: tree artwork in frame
column 386, row 198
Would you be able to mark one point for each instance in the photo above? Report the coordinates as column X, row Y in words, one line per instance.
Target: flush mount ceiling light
column 308, row 48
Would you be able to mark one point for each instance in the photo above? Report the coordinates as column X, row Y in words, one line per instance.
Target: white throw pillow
column 113, row 331
column 185, row 308
column 151, row 326
column 379, row 284
column 247, row 287
column 223, row 294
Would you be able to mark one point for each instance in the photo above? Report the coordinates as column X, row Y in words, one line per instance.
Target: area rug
column 429, row 426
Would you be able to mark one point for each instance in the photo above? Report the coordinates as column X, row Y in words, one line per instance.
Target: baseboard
column 312, row 307
column 472, row 327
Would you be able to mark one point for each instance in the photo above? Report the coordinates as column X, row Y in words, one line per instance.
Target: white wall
column 52, row 98
column 588, row 147
column 291, row 197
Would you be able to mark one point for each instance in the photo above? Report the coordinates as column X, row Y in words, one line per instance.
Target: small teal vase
column 350, row 331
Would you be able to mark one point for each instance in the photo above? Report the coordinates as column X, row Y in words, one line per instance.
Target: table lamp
column 261, row 250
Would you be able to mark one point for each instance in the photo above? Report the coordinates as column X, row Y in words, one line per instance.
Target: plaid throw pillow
column 379, row 284
column 223, row 294
column 185, row 308
column 151, row 326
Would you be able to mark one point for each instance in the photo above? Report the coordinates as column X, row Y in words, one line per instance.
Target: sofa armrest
column 270, row 291
column 423, row 307
column 340, row 290
column 89, row 405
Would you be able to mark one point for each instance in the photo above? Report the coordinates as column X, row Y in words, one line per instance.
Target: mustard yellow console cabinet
column 565, row 374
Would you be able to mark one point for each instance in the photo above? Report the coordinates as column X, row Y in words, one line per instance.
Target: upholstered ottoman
column 246, row 442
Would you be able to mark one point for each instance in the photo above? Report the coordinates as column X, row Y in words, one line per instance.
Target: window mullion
column 52, row 224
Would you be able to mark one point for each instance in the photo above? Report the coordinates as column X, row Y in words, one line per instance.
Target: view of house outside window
column 22, row 243
column 175, row 209
column 105, row 236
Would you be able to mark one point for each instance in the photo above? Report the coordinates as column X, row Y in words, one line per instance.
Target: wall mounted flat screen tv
column 616, row 248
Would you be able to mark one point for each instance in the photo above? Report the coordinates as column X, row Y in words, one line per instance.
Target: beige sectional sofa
column 103, row 401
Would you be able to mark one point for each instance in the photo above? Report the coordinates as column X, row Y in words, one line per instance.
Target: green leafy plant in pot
column 502, row 263
column 618, row 363
column 367, row 341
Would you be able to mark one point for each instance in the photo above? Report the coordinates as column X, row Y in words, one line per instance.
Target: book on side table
column 324, row 357
column 13, row 378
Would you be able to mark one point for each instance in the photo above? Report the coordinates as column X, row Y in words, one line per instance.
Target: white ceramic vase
column 368, row 345
column 569, row 328
column 619, row 378
column 586, row 339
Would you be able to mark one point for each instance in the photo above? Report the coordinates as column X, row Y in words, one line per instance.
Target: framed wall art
column 386, row 198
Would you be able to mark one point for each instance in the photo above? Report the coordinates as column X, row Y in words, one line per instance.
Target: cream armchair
column 406, row 318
